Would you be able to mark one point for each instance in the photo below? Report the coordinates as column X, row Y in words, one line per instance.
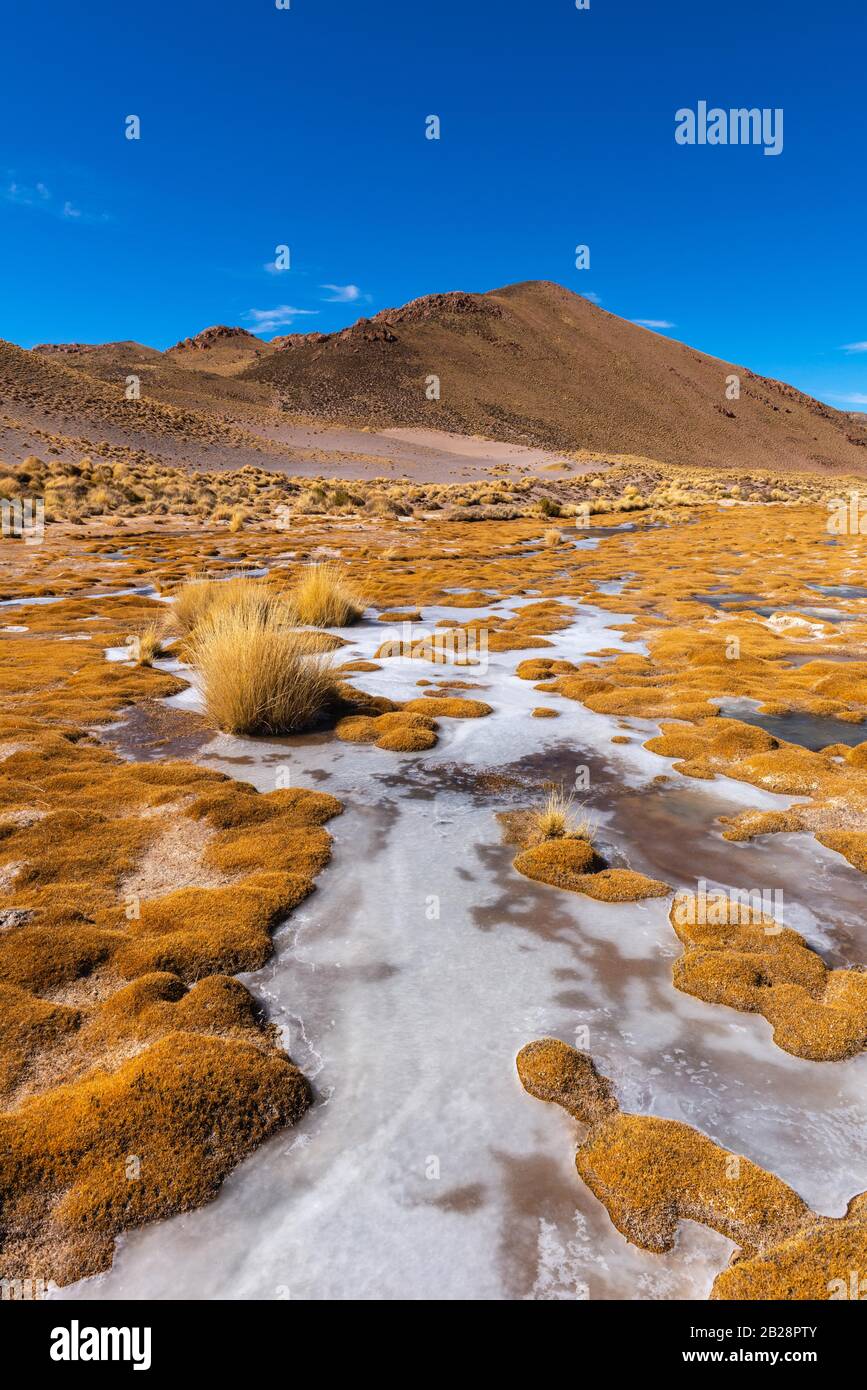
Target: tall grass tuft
column 198, row 598
column 556, row 820
column 148, row 644
column 257, row 675
column 323, row 598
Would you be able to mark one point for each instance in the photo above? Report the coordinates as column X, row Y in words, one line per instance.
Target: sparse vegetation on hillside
column 230, row 502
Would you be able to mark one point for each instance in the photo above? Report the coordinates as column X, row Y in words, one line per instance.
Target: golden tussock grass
column 257, row 675
column 556, row 819
column 191, row 602
column 149, row 644
column 323, row 598
column 198, row 598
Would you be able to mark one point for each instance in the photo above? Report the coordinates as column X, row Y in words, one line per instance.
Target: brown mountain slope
column 194, row 377
column 105, row 360
column 226, row 351
column 40, row 391
column 535, row 364
column 68, row 401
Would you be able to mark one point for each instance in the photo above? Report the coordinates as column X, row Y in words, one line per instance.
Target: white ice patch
column 405, row 986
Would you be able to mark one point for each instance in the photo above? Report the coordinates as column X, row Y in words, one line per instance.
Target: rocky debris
column 213, row 337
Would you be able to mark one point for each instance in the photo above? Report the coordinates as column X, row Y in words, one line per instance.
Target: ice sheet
column 406, row 984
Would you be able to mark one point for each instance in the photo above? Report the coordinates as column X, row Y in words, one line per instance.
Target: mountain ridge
column 536, row 364
column 530, row 364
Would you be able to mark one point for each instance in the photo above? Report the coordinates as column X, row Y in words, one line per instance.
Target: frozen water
column 407, row 983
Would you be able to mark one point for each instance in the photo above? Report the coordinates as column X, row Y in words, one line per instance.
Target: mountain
column 529, row 365
column 535, row 364
column 221, row 349
column 71, row 398
column 100, row 359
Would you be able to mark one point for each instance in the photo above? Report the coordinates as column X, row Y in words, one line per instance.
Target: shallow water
column 813, row 731
column 407, row 983
column 841, row 590
column 730, row 602
column 804, row 658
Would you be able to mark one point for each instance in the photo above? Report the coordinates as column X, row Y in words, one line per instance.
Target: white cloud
column 856, row 398
column 855, row 347
column 591, row 295
column 266, row 320
column 21, row 193
column 343, row 294
column 653, row 323
column 39, row 196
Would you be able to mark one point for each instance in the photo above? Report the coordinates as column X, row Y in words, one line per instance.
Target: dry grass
column 556, row 820
column 323, row 598
column 149, row 644
column 191, row 602
column 127, row 483
column 258, row 676
column 552, row 537
column 199, row 598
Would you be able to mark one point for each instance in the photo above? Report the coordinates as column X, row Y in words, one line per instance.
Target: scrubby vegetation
column 256, row 603
column 652, row 1173
column 127, row 891
column 557, row 819
column 149, row 643
column 251, row 497
column 323, row 598
column 97, row 1000
column 258, row 675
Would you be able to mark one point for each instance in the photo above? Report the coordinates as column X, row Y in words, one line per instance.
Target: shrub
column 555, row 820
column 322, row 598
column 257, row 675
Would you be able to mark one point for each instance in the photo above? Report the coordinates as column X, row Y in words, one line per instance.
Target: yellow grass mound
column 134, row 1072
column 749, row 962
column 573, row 864
column 449, row 707
column 650, row 1174
column 399, row 731
column 156, row 1136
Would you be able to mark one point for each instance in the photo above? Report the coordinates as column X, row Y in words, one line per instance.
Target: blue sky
column 306, row 127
